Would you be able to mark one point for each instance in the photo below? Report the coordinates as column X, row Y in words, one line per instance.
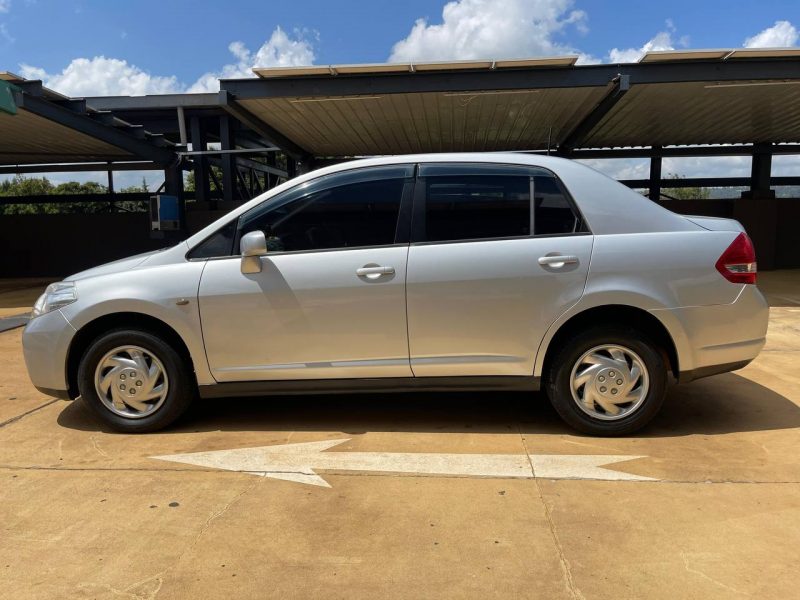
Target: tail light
column 738, row 263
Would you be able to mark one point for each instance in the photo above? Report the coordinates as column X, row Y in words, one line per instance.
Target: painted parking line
column 297, row 462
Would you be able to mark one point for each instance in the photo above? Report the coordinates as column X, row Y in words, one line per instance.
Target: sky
column 88, row 47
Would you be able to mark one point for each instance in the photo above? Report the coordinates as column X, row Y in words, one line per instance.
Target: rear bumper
column 718, row 338
column 687, row 376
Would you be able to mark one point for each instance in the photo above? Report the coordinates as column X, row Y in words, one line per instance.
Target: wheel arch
column 632, row 316
column 133, row 320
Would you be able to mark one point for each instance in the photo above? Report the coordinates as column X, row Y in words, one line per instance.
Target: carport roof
column 45, row 127
column 668, row 98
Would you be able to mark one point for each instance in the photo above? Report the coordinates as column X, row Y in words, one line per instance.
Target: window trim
column 418, row 223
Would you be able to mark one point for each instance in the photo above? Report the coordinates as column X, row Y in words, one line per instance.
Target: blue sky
column 186, row 39
column 93, row 47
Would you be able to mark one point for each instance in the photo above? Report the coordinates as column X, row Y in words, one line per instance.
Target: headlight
column 57, row 295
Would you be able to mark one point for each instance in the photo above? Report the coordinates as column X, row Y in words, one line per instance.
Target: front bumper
column 45, row 344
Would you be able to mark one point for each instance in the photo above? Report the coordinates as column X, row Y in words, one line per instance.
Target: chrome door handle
column 373, row 272
column 557, row 260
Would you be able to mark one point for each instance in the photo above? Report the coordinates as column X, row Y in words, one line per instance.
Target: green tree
column 685, row 193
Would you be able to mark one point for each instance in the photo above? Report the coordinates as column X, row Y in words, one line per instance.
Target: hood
column 124, row 264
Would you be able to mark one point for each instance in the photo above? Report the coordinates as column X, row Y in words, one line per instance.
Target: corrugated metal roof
column 26, row 138
column 427, row 122
column 8, row 76
column 702, row 113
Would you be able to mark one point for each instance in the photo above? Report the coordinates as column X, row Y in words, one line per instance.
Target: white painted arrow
column 296, row 462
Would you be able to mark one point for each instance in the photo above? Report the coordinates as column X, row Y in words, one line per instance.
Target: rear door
column 498, row 253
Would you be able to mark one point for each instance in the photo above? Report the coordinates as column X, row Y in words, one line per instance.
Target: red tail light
column 738, row 263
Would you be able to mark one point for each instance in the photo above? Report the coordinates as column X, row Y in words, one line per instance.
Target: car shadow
column 718, row 405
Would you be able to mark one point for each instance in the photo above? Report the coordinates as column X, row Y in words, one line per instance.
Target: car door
column 498, row 253
column 329, row 301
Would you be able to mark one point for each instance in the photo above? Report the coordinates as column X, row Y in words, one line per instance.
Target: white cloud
column 663, row 40
column 101, row 76
column 279, row 50
column 491, row 29
column 5, row 6
column 780, row 35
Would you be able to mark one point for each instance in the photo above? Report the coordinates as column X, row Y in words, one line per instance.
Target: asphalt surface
column 87, row 513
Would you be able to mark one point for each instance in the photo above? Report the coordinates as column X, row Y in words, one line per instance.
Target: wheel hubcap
column 609, row 382
column 131, row 382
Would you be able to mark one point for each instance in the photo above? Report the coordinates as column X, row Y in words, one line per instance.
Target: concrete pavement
column 86, row 513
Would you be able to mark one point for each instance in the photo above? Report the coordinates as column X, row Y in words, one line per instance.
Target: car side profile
column 447, row 272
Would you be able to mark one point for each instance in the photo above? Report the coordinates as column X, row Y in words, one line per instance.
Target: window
column 217, row 244
column 362, row 210
column 488, row 201
column 553, row 213
column 469, row 207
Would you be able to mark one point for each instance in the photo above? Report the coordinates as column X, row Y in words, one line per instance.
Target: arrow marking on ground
column 297, row 462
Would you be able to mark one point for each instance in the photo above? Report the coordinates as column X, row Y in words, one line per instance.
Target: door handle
column 373, row 272
column 557, row 260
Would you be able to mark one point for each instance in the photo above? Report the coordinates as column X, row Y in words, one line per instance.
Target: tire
column 589, row 410
column 162, row 372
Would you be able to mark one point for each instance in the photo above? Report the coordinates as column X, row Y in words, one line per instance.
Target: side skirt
column 370, row 386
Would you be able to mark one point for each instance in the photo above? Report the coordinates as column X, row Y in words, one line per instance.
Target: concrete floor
column 85, row 513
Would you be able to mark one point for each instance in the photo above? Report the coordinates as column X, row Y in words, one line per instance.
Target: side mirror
column 253, row 246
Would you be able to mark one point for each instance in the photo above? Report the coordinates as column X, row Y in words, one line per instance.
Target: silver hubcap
column 609, row 382
column 131, row 382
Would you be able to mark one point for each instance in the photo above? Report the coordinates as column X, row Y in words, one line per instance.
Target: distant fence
column 55, row 245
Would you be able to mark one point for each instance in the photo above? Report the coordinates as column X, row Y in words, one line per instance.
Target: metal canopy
column 711, row 97
column 49, row 128
column 702, row 112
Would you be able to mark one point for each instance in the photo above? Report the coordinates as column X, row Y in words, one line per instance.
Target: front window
column 348, row 210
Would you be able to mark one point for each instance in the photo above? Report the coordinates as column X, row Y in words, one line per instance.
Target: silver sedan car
column 442, row 272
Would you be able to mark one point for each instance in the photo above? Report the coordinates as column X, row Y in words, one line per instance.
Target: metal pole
column 110, row 174
column 655, row 174
column 182, row 125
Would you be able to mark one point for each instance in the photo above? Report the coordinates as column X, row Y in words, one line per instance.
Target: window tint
column 464, row 207
column 356, row 214
column 218, row 244
column 553, row 212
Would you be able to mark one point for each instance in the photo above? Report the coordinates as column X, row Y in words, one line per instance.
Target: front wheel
column 607, row 381
column 134, row 381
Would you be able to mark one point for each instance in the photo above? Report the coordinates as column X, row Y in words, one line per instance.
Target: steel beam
column 707, row 182
column 201, row 179
column 617, row 89
column 227, row 160
column 654, row 192
column 79, row 168
column 83, row 124
column 509, row 79
column 761, row 169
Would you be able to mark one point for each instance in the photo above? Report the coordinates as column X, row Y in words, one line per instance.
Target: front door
column 485, row 271
column 329, row 301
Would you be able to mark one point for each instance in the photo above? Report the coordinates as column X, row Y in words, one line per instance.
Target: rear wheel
column 134, row 381
column 607, row 381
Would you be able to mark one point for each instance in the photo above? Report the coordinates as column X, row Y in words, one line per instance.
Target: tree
column 685, row 193
column 20, row 185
